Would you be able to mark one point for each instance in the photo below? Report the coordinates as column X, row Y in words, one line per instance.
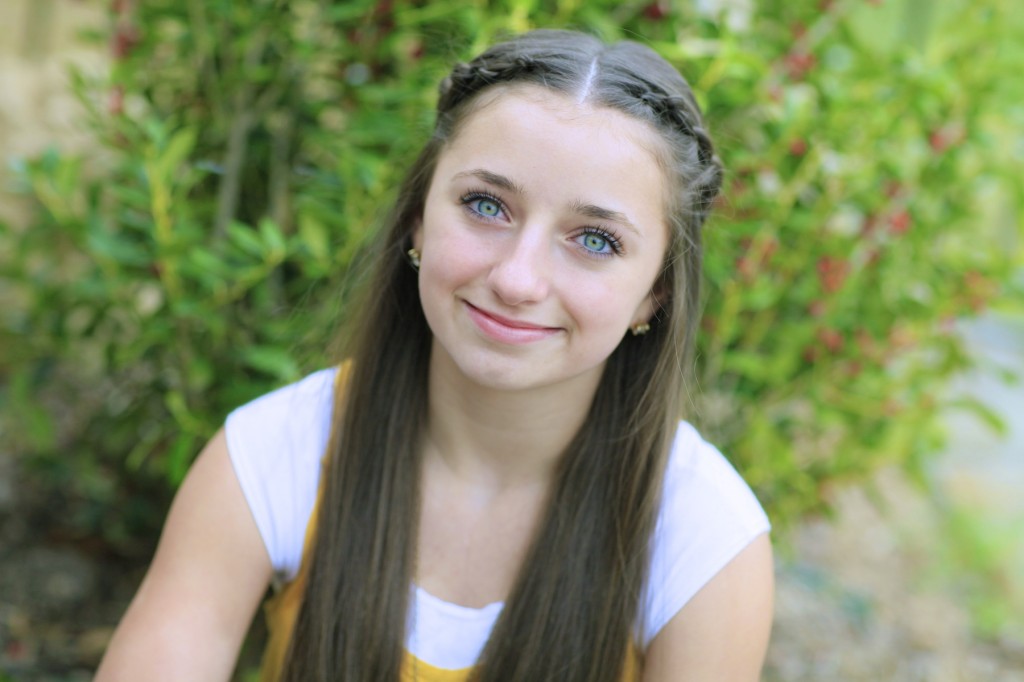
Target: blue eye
column 594, row 242
column 598, row 242
column 487, row 207
column 483, row 204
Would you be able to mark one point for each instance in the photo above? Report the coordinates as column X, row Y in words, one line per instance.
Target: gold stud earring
column 414, row 258
column 640, row 329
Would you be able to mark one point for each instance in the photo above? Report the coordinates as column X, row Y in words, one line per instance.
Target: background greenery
column 199, row 257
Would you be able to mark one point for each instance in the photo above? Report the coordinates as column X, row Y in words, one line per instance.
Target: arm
column 721, row 635
column 210, row 572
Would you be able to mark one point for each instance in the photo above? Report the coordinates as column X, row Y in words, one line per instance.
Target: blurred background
column 186, row 183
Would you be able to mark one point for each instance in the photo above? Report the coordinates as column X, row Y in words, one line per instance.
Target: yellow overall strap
column 282, row 609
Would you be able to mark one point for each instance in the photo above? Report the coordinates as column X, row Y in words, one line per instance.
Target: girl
column 496, row 484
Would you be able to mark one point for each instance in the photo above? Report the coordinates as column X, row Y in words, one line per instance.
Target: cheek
column 448, row 268
column 447, row 259
column 603, row 309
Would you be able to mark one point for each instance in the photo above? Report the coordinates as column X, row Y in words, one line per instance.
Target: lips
column 507, row 330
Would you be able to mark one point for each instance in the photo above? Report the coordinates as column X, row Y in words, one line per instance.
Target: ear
column 652, row 303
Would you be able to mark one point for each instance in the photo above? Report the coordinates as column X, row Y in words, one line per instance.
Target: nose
column 521, row 274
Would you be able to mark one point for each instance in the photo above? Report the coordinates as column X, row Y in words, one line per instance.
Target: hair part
column 572, row 612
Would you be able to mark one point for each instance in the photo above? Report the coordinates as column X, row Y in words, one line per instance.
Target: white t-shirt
column 708, row 515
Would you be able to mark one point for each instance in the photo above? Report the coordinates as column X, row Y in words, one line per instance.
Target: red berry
column 798, row 64
column 832, row 272
column 656, row 10
column 899, row 222
column 798, row 147
column 945, row 137
column 124, row 41
column 831, row 339
column 746, row 268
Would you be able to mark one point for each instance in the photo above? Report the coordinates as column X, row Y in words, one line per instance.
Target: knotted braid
column 679, row 113
column 675, row 112
column 466, row 80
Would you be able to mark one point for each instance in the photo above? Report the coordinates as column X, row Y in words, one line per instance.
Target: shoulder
column 276, row 443
column 721, row 633
column 708, row 515
column 699, row 479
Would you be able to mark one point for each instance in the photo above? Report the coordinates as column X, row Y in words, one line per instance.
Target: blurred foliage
column 982, row 561
column 197, row 258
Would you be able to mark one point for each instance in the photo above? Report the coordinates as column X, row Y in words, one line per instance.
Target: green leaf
column 273, row 238
column 31, row 419
column 117, row 249
column 176, row 152
column 314, row 237
column 244, row 237
column 274, row 361
column 982, row 411
column 178, row 458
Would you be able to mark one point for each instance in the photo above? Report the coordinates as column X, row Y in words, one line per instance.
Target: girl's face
column 541, row 238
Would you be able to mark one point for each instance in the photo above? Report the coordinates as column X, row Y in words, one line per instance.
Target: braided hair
column 571, row 615
column 656, row 93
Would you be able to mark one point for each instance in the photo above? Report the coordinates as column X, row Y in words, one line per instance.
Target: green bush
column 197, row 258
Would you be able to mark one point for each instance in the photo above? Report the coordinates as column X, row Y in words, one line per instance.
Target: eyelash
column 613, row 241
column 467, row 199
column 471, row 196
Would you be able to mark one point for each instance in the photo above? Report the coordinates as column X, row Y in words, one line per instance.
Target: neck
column 501, row 438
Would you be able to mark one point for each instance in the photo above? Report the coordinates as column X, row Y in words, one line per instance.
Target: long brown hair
column 572, row 612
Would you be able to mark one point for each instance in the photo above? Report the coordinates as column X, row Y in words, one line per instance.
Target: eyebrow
column 592, row 211
column 495, row 179
column 509, row 185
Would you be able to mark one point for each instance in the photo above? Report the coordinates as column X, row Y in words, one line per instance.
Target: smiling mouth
column 505, row 330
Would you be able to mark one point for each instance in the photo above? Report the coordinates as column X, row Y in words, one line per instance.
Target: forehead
column 552, row 145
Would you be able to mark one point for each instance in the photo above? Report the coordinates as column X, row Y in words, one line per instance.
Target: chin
column 500, row 376
column 517, row 375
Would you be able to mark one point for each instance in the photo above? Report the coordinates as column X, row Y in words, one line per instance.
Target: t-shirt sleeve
column 276, row 444
column 708, row 515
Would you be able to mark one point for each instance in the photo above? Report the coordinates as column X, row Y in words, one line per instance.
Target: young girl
column 495, row 485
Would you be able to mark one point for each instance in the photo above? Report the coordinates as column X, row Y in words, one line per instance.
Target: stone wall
column 40, row 40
